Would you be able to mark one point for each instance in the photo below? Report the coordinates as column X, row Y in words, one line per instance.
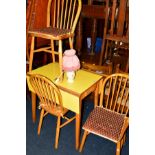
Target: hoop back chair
column 110, row 119
column 50, row 102
column 62, row 18
column 116, row 28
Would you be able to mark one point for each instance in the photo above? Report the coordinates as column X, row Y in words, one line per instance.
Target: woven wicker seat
column 110, row 119
column 53, row 32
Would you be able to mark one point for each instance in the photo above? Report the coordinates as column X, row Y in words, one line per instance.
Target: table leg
column 33, row 96
column 77, row 131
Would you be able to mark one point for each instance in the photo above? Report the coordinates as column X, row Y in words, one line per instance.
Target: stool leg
column 31, row 53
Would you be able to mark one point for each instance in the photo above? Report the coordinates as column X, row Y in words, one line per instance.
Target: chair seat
column 49, row 32
column 56, row 110
column 104, row 123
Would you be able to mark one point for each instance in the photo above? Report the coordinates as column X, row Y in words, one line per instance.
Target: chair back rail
column 115, row 94
column 47, row 92
column 50, row 102
column 63, row 14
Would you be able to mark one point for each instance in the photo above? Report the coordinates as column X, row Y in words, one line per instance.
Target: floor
column 44, row 144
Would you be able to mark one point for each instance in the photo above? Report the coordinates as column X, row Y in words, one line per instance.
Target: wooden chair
column 50, row 102
column 111, row 118
column 116, row 29
column 98, row 69
column 62, row 18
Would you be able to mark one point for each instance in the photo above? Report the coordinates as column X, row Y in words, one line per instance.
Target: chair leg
column 60, row 54
column 60, row 58
column 83, row 140
column 123, row 140
column 118, row 148
column 57, row 132
column 71, row 43
column 40, row 121
column 31, row 53
column 33, row 98
column 52, row 50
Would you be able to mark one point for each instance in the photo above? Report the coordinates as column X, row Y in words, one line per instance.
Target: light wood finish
column 117, row 14
column 113, row 106
column 98, row 69
column 83, row 140
column 77, row 129
column 33, row 98
column 72, row 94
column 50, row 102
column 118, row 89
column 62, row 18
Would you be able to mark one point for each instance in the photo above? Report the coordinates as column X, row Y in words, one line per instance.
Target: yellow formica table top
column 71, row 92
